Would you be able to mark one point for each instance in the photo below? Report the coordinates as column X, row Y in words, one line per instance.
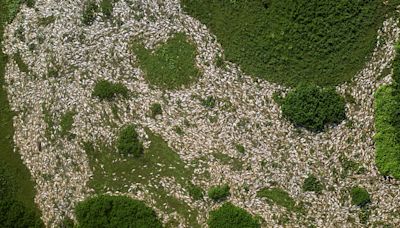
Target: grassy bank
column 16, row 171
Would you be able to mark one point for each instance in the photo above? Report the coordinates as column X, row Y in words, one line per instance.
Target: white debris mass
column 277, row 154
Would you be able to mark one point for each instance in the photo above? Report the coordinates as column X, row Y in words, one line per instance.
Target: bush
column 359, row 197
column 231, row 216
column 289, row 42
column 312, row 184
column 312, row 107
column 128, row 142
column 115, row 211
column 219, row 193
column 155, row 110
column 89, row 12
column 106, row 90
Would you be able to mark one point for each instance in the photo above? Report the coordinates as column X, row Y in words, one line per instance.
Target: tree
column 313, row 107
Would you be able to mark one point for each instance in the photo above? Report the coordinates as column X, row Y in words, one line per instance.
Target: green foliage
column 89, row 12
column 195, row 192
column 219, row 193
column 319, row 41
column 15, row 214
column 155, row 110
column 312, row 107
column 128, row 142
column 386, row 140
column 106, row 8
column 106, row 90
column 45, row 21
column 209, row 102
column 359, row 197
column 170, row 66
column 115, row 211
column 231, row 216
column 278, row 196
column 312, row 184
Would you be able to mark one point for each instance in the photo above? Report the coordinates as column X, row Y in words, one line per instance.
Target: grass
column 170, row 66
column 224, row 159
column 15, row 169
column 290, row 42
column 279, row 197
column 117, row 172
column 66, row 122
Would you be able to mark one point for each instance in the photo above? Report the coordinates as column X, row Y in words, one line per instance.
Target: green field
column 290, row 42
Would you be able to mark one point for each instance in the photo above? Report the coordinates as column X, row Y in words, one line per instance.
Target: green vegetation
column 114, row 172
column 312, row 184
column 170, row 66
column 387, row 124
column 155, row 110
column 106, row 90
column 17, row 190
column 66, row 122
column 106, row 8
column 89, row 12
column 360, row 197
column 240, row 148
column 128, row 142
column 219, row 193
column 115, row 211
column 290, row 42
column 195, row 192
column 209, row 102
column 231, row 216
column 278, row 196
column 22, row 66
column 312, row 107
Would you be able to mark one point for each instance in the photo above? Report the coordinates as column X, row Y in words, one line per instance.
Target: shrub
column 312, row 184
column 115, row 211
column 128, row 142
column 312, row 107
column 195, row 192
column 106, row 8
column 170, row 66
column 360, row 197
column 89, row 12
column 219, row 193
column 155, row 110
column 278, row 196
column 231, row 216
column 106, row 90
column 285, row 41
column 30, row 3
